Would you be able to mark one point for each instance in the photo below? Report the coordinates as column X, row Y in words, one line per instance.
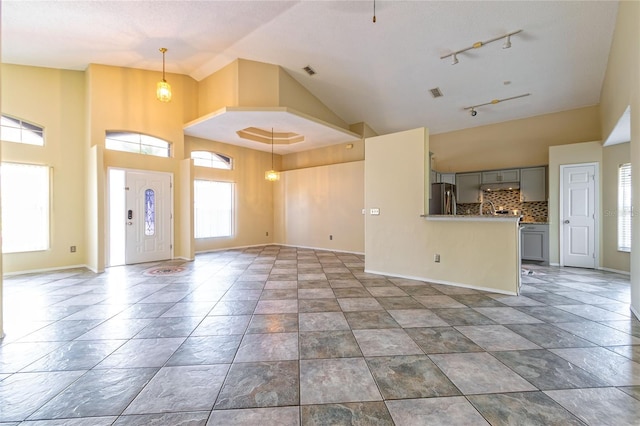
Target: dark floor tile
column 549, row 314
column 553, row 299
column 399, row 303
column 348, row 413
column 238, row 307
column 328, row 344
column 273, row 323
column 370, row 319
column 169, row 327
column 336, row 380
column 279, row 294
column 423, row 290
column 438, row 340
column 260, row 384
column 546, row 370
column 522, row 408
column 477, row 300
column 599, row 406
column 444, row 411
column 174, row 419
column 318, row 305
column 76, row 355
column 269, row 416
column 97, row 393
column 414, row 376
column 350, row 292
column 206, row 350
column 548, row 336
column 462, row 316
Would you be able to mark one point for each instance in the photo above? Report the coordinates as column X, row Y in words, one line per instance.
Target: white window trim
column 625, row 207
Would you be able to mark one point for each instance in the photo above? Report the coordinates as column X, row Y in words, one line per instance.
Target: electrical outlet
column 267, row 233
column 436, row 258
column 72, row 249
column 330, row 237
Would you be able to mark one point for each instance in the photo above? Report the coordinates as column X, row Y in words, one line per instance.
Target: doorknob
column 129, row 223
column 566, row 221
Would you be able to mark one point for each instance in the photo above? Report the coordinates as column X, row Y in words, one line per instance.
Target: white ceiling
column 377, row 73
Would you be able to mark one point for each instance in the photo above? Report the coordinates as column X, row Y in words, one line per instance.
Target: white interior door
column 148, row 216
column 578, row 215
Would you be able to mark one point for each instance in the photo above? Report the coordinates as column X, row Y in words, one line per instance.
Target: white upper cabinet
column 533, row 186
column 448, row 178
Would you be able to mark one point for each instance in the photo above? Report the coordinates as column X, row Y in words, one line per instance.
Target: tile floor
column 285, row 336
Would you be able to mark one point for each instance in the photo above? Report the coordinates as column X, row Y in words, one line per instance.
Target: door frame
column 108, row 209
column 596, row 201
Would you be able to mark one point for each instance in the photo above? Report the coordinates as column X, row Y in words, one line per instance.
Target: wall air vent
column 435, row 92
column 309, row 70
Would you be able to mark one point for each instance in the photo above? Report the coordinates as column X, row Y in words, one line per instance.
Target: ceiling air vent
column 309, row 70
column 436, row 93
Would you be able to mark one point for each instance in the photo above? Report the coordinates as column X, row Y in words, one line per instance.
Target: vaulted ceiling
column 379, row 73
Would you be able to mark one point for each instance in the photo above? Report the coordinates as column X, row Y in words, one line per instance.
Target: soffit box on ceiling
column 242, row 102
column 223, row 126
column 622, row 132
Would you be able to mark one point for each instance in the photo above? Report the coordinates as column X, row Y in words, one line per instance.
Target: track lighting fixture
column 479, row 44
column 507, row 42
column 473, row 109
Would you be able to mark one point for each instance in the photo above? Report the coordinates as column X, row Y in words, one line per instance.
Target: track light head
column 455, row 59
column 507, row 42
column 473, row 112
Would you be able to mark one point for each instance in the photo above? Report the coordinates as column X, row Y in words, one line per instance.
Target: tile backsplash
column 535, row 211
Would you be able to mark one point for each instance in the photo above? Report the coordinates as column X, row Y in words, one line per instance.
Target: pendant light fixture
column 272, row 175
column 163, row 91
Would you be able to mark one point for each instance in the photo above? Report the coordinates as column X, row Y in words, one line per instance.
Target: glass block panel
column 149, row 212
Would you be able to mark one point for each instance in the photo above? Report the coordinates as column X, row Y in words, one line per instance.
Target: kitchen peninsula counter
column 473, row 218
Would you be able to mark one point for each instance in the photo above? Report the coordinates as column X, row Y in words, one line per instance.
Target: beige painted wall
column 621, row 88
column 333, row 154
column 254, row 200
column 313, row 203
column 587, row 152
column 54, row 99
column 612, row 157
column 516, row 143
column 124, row 99
column 399, row 242
column 218, row 90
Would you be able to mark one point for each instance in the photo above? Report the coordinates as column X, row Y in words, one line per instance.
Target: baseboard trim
column 617, row 271
column 56, row 268
column 451, row 283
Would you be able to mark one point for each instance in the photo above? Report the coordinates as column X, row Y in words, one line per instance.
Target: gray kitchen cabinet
column 468, row 187
column 533, row 184
column 448, row 178
column 497, row 176
column 534, row 242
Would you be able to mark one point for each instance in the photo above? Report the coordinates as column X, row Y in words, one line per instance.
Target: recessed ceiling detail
column 265, row 136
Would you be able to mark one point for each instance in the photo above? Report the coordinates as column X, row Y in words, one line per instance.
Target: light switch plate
column 375, row 212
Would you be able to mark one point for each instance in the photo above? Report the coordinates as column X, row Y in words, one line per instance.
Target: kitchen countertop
column 473, row 218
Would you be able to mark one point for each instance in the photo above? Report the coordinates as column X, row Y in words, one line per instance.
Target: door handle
column 566, row 221
column 129, row 223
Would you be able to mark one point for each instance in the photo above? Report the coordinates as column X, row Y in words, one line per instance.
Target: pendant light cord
column 374, row 11
column 272, row 148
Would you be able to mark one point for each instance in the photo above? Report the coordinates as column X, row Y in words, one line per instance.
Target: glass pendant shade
column 163, row 92
column 272, row 175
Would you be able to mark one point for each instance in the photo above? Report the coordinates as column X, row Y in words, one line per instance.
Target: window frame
column 625, row 208
column 208, row 211
column 199, row 161
column 22, row 126
column 111, row 135
column 45, row 242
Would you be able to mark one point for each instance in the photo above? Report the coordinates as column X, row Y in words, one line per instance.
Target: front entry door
column 148, row 217
column 578, row 215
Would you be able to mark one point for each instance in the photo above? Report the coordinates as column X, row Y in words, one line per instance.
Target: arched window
column 16, row 130
column 212, row 160
column 137, row 143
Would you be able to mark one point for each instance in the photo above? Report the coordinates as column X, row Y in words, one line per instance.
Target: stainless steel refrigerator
column 443, row 199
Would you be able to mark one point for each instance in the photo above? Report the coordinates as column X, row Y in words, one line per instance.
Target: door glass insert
column 149, row 212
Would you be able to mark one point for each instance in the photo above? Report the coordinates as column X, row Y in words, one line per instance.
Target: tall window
column 25, row 207
column 137, row 143
column 213, row 209
column 15, row 130
column 212, row 160
column 624, row 207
